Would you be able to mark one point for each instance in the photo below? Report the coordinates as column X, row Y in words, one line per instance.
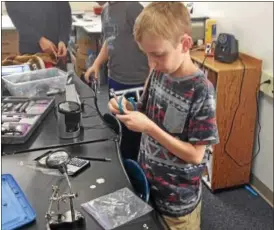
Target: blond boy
column 178, row 121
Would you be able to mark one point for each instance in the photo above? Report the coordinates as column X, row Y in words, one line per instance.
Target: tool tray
column 19, row 123
column 16, row 210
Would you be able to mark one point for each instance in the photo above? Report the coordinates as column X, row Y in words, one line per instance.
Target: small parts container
column 35, row 83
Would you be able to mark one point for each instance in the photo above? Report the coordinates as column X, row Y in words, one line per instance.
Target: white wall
column 252, row 24
column 3, row 8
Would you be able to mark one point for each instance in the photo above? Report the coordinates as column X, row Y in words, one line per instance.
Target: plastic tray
column 16, row 210
column 7, row 70
column 35, row 83
column 6, row 139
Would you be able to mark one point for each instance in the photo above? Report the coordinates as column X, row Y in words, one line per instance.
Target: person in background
column 177, row 115
column 127, row 65
column 43, row 27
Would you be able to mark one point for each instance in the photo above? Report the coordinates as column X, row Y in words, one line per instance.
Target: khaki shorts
column 191, row 221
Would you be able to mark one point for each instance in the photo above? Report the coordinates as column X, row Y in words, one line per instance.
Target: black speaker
column 226, row 49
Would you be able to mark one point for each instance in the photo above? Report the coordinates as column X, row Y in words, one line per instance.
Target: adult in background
column 43, row 27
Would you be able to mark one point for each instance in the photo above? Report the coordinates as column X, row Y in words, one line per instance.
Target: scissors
column 119, row 101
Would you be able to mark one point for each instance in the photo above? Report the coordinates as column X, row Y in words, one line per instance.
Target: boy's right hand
column 114, row 108
column 92, row 71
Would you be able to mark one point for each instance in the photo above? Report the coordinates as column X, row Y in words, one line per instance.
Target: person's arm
column 95, row 68
column 21, row 17
column 65, row 21
column 102, row 56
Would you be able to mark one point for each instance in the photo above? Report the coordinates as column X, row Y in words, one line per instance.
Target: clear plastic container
column 35, row 83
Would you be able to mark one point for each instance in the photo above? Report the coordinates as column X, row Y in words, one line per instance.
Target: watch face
column 222, row 38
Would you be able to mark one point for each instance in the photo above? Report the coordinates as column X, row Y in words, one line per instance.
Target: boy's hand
column 114, row 108
column 136, row 121
column 93, row 70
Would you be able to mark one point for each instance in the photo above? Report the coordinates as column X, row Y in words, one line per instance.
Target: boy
column 178, row 119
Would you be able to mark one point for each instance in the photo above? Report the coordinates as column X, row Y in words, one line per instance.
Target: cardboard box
column 10, row 43
column 5, row 54
column 84, row 47
column 10, row 35
column 85, row 42
column 78, row 70
column 10, row 47
column 81, row 60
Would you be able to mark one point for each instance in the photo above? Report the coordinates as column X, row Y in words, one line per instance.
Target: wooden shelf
column 227, row 79
column 211, row 63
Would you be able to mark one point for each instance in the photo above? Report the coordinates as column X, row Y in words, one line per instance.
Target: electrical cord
column 204, row 61
column 213, row 44
column 258, row 119
column 90, row 106
column 107, row 118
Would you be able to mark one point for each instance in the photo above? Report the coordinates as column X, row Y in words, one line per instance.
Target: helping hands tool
column 72, row 218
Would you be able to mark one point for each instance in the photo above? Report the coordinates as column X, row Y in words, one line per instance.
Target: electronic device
column 209, row 50
column 226, row 49
column 77, row 165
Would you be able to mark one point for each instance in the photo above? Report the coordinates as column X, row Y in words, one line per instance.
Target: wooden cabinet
column 227, row 80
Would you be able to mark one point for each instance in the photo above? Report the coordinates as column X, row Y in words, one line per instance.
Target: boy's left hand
column 136, row 121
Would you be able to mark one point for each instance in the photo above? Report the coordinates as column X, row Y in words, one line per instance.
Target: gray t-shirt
column 127, row 64
column 186, row 109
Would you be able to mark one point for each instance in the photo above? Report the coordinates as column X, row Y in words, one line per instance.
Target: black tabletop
column 37, row 186
column 47, row 133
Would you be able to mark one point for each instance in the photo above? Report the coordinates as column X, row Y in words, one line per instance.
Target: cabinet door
column 213, row 77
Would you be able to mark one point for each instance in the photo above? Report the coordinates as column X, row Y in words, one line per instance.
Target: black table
column 46, row 135
column 38, row 186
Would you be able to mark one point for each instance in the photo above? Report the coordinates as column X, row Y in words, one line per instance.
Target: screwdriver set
column 21, row 116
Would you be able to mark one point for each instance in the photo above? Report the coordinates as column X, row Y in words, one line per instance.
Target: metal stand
column 68, row 220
